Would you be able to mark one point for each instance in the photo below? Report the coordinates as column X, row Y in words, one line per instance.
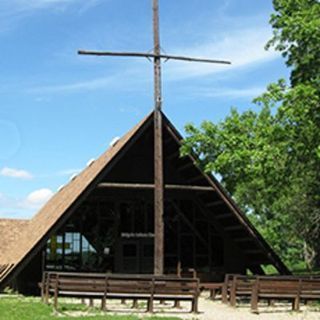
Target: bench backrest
column 114, row 283
column 243, row 284
column 310, row 288
column 303, row 286
column 277, row 286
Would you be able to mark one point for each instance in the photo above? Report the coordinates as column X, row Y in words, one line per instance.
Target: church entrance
column 135, row 255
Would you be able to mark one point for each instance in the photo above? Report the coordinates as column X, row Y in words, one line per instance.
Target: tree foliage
column 270, row 160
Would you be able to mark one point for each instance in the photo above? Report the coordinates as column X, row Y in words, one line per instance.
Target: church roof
column 26, row 238
column 10, row 231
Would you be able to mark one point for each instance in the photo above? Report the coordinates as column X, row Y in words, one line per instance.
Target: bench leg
column 296, row 304
column 150, row 305
column 254, row 304
column 224, row 294
column 55, row 300
column 177, row 304
column 271, row 303
column 194, row 306
column 104, row 304
column 255, row 298
column 46, row 297
column 91, row 304
column 233, row 299
column 123, row 301
column 213, row 294
column 135, row 304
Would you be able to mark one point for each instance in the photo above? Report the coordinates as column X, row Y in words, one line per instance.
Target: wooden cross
column 157, row 57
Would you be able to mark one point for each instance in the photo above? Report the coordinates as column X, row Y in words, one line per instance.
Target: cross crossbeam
column 150, row 56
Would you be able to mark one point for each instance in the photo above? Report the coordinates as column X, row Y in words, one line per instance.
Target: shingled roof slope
column 55, row 208
column 10, row 231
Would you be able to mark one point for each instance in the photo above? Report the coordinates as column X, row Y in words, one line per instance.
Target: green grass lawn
column 28, row 308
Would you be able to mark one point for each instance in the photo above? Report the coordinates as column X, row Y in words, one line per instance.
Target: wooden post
column 43, row 261
column 56, row 292
column 213, row 294
column 47, row 293
column 233, row 295
column 104, row 299
column 296, row 303
column 158, row 150
column 224, row 292
column 150, row 301
column 194, row 307
column 255, row 297
column 177, row 302
column 43, row 285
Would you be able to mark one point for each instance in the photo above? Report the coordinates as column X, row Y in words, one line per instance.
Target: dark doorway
column 135, row 255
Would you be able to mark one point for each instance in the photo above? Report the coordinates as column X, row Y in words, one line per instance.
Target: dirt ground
column 215, row 310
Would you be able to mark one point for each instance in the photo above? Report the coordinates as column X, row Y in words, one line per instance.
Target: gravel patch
column 215, row 310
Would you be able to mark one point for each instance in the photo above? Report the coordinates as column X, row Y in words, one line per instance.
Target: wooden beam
column 187, row 187
column 196, row 178
column 234, row 228
column 244, row 239
column 214, row 203
column 253, row 251
column 117, row 185
column 173, row 155
column 150, row 56
column 185, row 166
column 223, row 215
column 208, row 215
column 189, row 223
column 120, row 185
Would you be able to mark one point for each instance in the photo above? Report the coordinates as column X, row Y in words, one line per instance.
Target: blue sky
column 58, row 109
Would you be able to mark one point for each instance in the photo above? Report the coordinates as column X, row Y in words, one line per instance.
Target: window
column 68, row 251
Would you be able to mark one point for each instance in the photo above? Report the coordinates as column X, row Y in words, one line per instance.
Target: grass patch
column 14, row 307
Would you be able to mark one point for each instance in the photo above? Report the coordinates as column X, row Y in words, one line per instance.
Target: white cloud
column 40, row 3
column 15, row 173
column 29, row 5
column 26, row 207
column 243, row 48
column 251, row 92
column 11, row 11
column 88, row 85
column 38, row 197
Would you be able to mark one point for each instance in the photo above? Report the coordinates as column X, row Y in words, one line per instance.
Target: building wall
column 27, row 280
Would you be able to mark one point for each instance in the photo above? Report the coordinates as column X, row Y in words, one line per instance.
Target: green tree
column 269, row 160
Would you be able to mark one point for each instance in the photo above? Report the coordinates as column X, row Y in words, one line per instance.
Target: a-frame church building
column 103, row 220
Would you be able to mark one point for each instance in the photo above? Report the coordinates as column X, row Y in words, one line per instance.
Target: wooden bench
column 241, row 287
column 226, row 288
column 213, row 287
column 113, row 286
column 292, row 288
